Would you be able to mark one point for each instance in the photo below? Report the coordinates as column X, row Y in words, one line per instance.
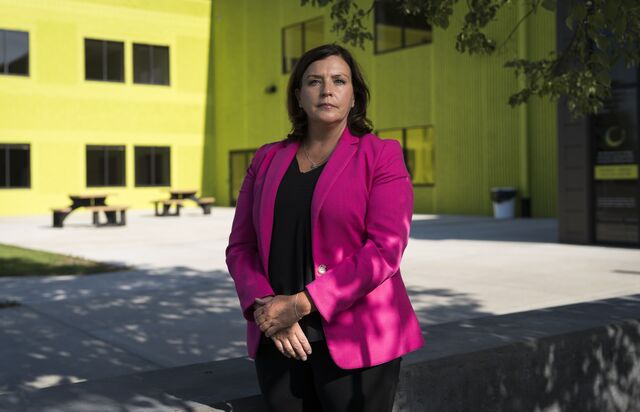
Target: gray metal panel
column 574, row 162
column 574, row 189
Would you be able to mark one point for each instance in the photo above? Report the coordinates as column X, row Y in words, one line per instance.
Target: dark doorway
column 239, row 161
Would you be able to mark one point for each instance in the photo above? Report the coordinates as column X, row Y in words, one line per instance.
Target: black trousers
column 318, row 384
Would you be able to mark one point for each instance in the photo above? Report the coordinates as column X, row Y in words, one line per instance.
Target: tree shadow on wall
column 583, row 357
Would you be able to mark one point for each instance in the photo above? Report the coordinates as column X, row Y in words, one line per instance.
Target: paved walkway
column 179, row 306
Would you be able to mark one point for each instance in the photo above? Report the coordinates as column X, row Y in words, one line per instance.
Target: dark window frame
column 105, row 166
column 303, row 42
column 151, row 47
column 3, row 39
column 4, row 151
column 405, row 150
column 403, row 45
column 152, row 172
column 104, row 62
column 246, row 152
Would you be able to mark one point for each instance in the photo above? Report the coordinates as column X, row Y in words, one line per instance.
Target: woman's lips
column 326, row 106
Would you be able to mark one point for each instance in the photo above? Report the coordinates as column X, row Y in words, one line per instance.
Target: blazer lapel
column 275, row 172
column 341, row 155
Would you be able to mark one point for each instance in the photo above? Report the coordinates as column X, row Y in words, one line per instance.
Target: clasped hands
column 278, row 316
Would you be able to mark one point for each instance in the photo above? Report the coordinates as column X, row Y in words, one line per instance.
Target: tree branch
column 526, row 16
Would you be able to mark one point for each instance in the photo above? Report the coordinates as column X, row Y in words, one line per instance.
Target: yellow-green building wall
column 58, row 112
column 224, row 55
column 480, row 141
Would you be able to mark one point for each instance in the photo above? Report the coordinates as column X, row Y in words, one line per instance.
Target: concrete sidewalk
column 179, row 307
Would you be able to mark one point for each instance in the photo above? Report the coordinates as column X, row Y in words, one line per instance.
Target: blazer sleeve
column 387, row 224
column 242, row 257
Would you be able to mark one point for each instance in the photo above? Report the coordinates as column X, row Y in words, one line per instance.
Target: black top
column 291, row 265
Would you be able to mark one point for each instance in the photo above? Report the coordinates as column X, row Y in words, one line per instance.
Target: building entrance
column 615, row 164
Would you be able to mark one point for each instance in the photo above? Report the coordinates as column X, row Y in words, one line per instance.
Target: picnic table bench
column 95, row 203
column 177, row 199
column 166, row 207
column 59, row 215
column 111, row 212
column 205, row 203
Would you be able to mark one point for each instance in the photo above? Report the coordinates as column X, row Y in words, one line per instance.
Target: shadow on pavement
column 435, row 306
column 97, row 328
column 475, row 228
column 70, row 328
column 568, row 357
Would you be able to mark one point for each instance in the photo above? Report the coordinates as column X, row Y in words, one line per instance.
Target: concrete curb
column 576, row 357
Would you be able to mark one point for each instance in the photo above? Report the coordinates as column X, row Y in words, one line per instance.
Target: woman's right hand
column 292, row 342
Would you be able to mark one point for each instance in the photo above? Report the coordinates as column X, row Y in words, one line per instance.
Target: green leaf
column 604, row 77
column 569, row 22
column 602, row 42
column 600, row 58
column 620, row 25
column 610, row 10
column 597, row 21
column 578, row 11
column 549, row 5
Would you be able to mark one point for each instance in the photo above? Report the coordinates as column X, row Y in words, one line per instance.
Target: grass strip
column 18, row 261
column 5, row 304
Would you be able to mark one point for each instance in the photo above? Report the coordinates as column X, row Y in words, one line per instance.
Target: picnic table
column 183, row 194
column 177, row 198
column 85, row 200
column 95, row 203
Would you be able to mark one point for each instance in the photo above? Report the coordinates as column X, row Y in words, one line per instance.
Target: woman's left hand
column 275, row 314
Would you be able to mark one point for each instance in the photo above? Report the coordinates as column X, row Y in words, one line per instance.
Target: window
column 14, row 52
column 15, row 165
column 239, row 161
column 418, row 148
column 299, row 38
column 153, row 166
column 395, row 30
column 105, row 166
column 150, row 64
column 104, row 60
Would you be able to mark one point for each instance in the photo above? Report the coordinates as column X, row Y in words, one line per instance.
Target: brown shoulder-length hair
column 357, row 121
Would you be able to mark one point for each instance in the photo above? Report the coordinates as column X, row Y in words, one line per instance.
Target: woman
column 321, row 223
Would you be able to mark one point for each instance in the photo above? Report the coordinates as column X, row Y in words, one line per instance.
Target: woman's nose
column 326, row 91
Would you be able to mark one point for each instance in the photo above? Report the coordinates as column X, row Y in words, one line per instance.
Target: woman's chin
column 325, row 121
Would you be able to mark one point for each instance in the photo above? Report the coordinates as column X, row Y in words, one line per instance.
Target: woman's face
column 326, row 91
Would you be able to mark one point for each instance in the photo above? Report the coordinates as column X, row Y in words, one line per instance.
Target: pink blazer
column 360, row 217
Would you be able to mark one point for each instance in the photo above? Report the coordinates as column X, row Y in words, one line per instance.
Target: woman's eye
column 314, row 82
column 340, row 81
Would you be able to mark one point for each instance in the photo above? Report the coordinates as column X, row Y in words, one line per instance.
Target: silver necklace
column 313, row 164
